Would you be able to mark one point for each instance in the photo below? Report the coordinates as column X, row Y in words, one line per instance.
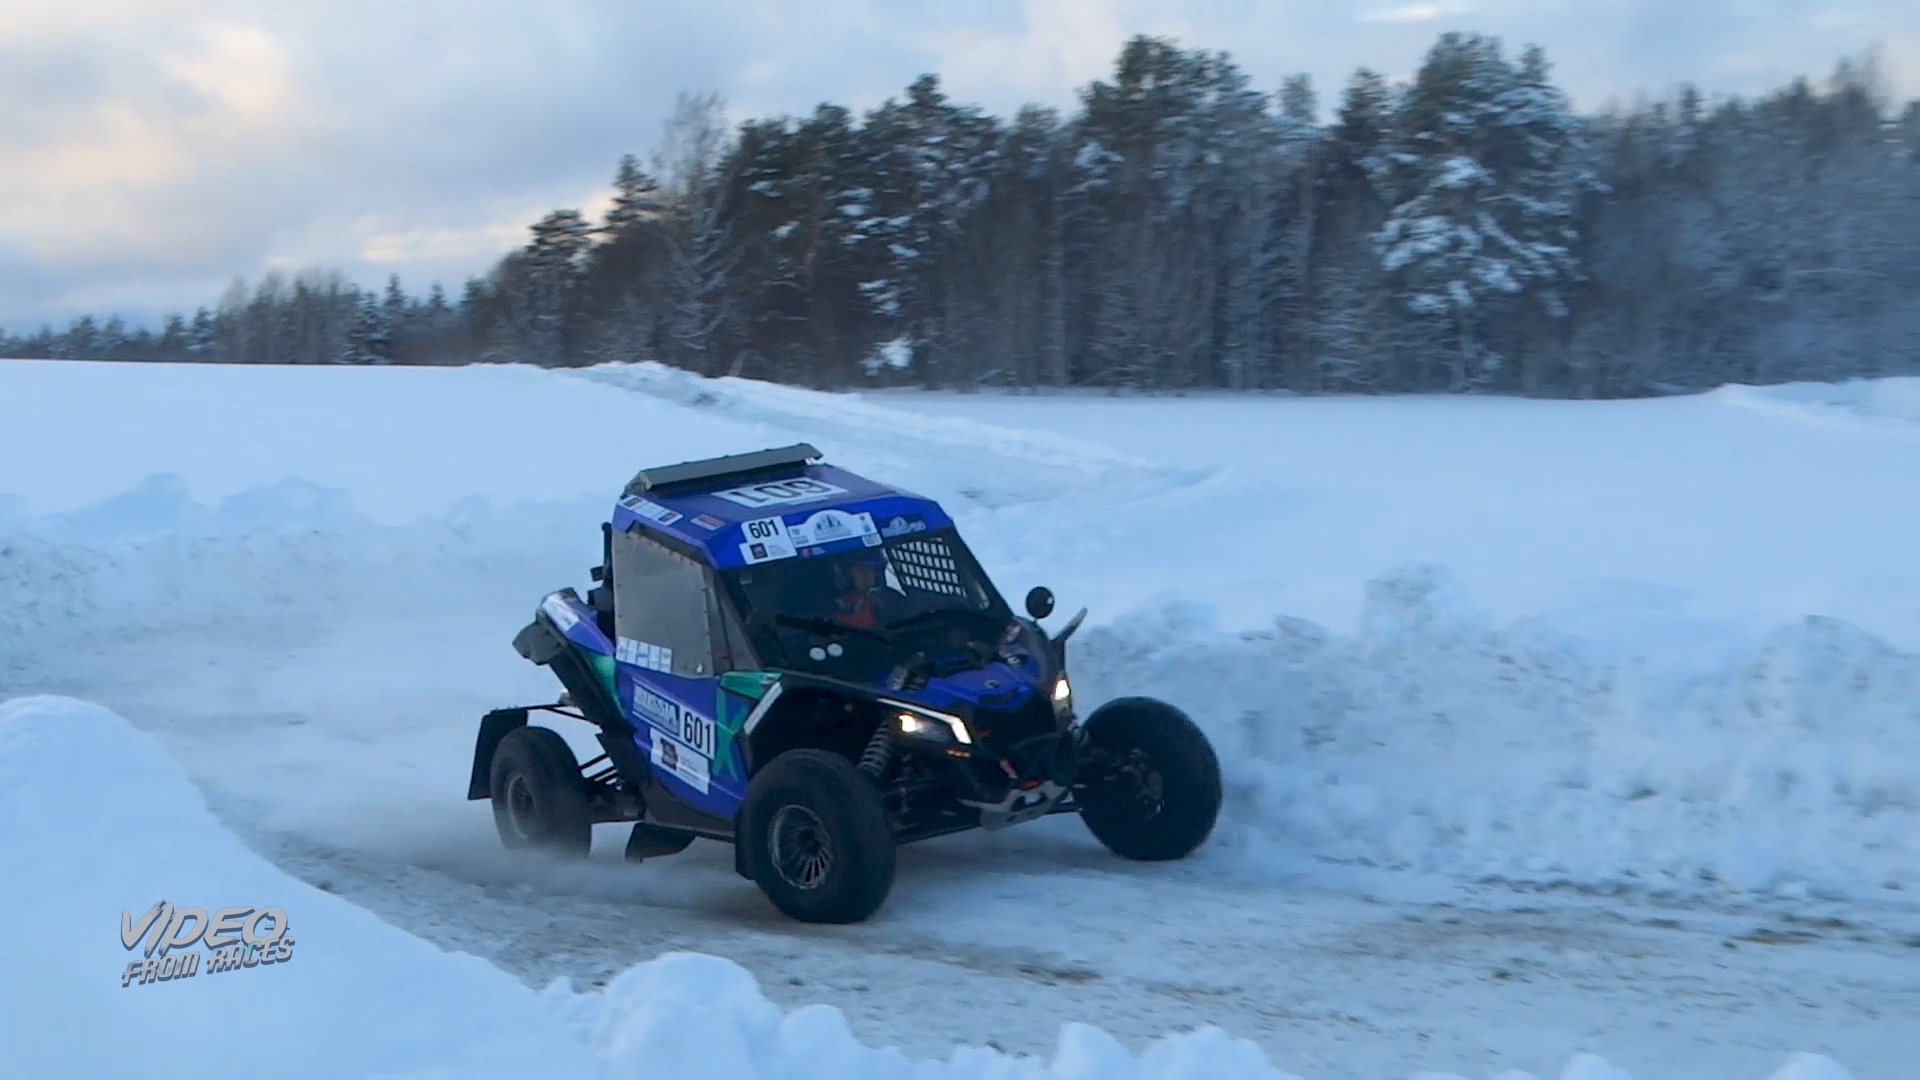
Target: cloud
column 1416, row 12
column 1039, row 56
column 150, row 150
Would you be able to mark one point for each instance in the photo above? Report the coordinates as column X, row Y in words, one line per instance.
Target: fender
column 493, row 727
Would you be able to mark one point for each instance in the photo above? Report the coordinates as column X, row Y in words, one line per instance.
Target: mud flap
column 740, row 862
column 493, row 727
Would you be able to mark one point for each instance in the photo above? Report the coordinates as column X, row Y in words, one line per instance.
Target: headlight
column 922, row 723
column 1062, row 697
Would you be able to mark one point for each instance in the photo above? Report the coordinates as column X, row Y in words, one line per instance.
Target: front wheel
column 818, row 841
column 1150, row 784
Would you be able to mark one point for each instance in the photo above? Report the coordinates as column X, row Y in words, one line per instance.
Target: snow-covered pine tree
column 551, row 269
column 1352, row 324
column 202, row 335
column 396, row 316
column 365, row 341
column 1484, row 166
column 696, row 162
column 1548, row 166
column 1284, row 255
column 1167, row 151
column 795, row 281
column 637, row 200
column 1016, row 262
column 927, row 177
column 620, row 310
column 173, row 339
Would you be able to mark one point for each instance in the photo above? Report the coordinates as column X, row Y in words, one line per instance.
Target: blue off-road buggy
column 812, row 666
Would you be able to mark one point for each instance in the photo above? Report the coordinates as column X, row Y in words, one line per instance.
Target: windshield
column 877, row 604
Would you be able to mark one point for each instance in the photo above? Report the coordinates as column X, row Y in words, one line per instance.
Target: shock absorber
column 878, row 755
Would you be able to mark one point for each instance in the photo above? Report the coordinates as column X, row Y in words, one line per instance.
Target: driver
column 863, row 599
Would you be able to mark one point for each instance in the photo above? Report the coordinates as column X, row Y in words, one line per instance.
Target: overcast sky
column 151, row 150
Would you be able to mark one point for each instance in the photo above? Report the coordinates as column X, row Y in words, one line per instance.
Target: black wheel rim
column 520, row 809
column 798, row 844
column 1138, row 790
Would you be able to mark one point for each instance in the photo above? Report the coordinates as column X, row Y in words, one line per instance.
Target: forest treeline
column 1183, row 229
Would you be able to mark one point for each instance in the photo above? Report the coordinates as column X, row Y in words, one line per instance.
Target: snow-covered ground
column 1533, row 748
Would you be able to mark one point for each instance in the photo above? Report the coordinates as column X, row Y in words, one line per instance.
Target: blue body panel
column 1000, row 684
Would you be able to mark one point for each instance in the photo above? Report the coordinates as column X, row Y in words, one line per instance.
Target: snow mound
column 361, row 998
column 96, row 819
column 691, row 1015
column 1432, row 740
column 696, row 1016
column 1811, row 1067
column 276, row 559
column 952, row 459
column 1891, row 405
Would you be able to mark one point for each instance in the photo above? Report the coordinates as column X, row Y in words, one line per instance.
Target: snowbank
column 406, row 442
column 361, row 998
column 1887, row 406
column 1430, row 739
column 689, row 1015
column 962, row 462
column 292, row 555
column 96, row 819
column 1698, row 506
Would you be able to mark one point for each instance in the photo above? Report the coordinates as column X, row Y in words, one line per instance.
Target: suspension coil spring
column 878, row 755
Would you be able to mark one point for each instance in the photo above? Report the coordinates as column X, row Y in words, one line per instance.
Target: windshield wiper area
column 827, row 627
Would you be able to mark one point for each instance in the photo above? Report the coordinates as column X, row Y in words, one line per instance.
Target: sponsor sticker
column 652, row 511
column 708, row 522
column 691, row 733
column 642, row 654
column 679, row 759
column 780, row 492
column 827, row 526
column 559, row 611
column 766, row 539
column 654, row 708
column 901, row 525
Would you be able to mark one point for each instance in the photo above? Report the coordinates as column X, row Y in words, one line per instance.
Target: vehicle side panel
column 689, row 730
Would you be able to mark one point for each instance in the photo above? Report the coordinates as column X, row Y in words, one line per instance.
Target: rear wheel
column 539, row 799
column 1151, row 782
column 819, row 844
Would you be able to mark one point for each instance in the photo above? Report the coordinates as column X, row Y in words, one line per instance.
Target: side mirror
column 1040, row 602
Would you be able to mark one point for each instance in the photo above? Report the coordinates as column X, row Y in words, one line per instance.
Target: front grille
column 1020, row 733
